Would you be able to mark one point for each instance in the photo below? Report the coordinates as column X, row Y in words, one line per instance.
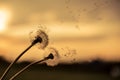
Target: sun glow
column 4, row 17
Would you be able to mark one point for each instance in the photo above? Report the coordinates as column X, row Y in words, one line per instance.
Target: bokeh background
column 90, row 28
column 81, row 30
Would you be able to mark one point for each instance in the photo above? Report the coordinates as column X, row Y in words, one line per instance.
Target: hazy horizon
column 81, row 30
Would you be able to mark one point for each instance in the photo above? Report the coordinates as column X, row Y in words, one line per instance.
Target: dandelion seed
column 39, row 37
column 55, row 60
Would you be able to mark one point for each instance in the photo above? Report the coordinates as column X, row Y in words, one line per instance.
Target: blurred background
column 83, row 32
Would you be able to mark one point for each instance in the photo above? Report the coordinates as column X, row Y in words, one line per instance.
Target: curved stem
column 9, row 67
column 18, row 73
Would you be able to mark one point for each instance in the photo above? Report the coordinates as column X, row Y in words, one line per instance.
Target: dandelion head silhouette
column 41, row 36
column 50, row 56
column 55, row 53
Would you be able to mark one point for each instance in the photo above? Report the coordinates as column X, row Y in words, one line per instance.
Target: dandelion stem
column 9, row 67
column 22, row 70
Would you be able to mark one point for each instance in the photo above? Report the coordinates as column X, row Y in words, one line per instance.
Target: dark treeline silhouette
column 94, row 66
column 97, row 68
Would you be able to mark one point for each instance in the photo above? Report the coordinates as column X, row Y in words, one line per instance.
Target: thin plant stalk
column 37, row 39
column 36, row 62
column 18, row 73
column 10, row 66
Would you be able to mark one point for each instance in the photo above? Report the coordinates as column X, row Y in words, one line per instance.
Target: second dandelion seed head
column 50, row 56
column 52, row 52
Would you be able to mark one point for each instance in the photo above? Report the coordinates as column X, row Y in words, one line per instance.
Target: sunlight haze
column 86, row 29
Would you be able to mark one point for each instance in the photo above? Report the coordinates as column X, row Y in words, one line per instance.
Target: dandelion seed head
column 50, row 56
column 55, row 60
column 41, row 36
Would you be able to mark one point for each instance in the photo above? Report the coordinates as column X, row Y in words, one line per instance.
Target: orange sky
column 89, row 29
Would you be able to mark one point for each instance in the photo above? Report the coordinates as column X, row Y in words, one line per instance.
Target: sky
column 81, row 30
